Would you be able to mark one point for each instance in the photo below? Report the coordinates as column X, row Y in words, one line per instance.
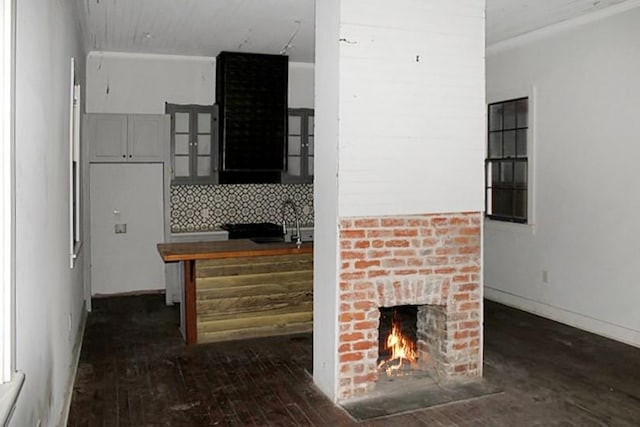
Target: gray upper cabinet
column 194, row 144
column 115, row 138
column 300, row 142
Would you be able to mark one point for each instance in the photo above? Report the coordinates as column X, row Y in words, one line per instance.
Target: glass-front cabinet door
column 300, row 146
column 193, row 144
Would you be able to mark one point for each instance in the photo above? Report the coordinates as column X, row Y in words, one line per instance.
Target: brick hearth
column 432, row 261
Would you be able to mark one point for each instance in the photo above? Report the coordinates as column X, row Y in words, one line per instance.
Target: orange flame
column 402, row 350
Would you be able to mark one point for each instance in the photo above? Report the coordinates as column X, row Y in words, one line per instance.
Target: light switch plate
column 121, row 228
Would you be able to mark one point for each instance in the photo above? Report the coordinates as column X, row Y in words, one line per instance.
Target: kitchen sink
column 253, row 230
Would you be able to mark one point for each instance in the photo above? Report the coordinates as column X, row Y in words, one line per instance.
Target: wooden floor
column 135, row 371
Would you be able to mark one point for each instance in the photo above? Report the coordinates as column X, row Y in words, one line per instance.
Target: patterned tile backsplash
column 205, row 207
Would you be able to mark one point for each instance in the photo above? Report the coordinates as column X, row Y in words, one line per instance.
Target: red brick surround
column 431, row 261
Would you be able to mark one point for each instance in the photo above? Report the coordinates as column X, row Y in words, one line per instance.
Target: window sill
column 506, row 226
column 9, row 395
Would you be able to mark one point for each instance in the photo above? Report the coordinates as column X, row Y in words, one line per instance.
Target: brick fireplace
column 431, row 261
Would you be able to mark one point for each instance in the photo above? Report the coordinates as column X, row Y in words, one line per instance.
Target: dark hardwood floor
column 135, row 371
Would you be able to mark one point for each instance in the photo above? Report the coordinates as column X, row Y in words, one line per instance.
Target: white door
column 127, row 217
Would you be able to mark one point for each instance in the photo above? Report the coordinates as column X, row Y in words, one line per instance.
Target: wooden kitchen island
column 238, row 289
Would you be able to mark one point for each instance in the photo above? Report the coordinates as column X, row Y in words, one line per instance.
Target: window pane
column 509, row 143
column 522, row 111
column 204, row 165
column 204, row 123
column 509, row 115
column 182, row 144
column 495, row 144
column 294, row 165
column 501, row 202
column 294, row 125
column 311, row 125
column 310, row 145
column 204, row 144
column 506, row 173
column 310, row 165
column 181, row 166
column 520, row 198
column 182, row 122
column 294, row 145
column 520, row 174
column 494, row 172
column 521, row 143
column 495, row 117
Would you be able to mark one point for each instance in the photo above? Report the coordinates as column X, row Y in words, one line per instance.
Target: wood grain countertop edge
column 187, row 251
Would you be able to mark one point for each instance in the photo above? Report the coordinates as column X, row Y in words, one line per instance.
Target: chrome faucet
column 284, row 220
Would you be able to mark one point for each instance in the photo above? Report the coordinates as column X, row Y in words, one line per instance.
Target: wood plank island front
column 240, row 289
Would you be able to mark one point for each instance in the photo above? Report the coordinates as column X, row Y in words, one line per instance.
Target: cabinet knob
column 124, row 156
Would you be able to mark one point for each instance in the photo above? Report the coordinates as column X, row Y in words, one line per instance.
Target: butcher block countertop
column 189, row 251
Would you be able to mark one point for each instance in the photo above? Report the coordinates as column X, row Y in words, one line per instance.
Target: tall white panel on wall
column 412, row 107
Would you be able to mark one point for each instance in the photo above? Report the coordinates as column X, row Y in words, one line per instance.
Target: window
column 506, row 186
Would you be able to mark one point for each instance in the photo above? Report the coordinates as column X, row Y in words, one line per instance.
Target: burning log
column 403, row 352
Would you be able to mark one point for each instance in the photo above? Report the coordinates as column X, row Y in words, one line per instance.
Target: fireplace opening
column 400, row 352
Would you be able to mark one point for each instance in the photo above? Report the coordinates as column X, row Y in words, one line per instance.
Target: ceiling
column 510, row 18
column 200, row 27
column 206, row 27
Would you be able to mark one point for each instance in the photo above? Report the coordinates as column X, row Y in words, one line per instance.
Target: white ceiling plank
column 207, row 27
column 200, row 27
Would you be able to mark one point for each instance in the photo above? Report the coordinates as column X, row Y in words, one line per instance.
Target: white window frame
column 7, row 226
column 10, row 380
column 75, row 171
column 500, row 96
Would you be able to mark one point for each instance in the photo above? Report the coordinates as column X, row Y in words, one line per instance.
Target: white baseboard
column 64, row 415
column 589, row 324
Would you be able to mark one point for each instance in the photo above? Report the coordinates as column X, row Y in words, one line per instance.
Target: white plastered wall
column 141, row 84
column 49, row 295
column 584, row 235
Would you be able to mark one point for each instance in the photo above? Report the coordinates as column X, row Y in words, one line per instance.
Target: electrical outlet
column 545, row 276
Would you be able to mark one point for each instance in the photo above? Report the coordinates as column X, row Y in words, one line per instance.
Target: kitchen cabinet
column 116, row 138
column 251, row 92
column 193, row 143
column 300, row 147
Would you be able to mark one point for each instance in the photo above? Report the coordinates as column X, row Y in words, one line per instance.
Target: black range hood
column 251, row 93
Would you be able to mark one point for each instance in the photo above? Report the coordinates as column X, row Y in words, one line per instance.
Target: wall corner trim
column 9, row 393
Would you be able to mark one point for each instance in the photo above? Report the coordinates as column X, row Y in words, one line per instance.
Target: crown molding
column 560, row 27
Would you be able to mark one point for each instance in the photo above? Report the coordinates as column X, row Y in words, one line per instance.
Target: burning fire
column 403, row 350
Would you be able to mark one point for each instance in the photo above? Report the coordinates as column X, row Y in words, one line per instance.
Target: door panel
column 146, row 140
column 108, row 137
column 126, row 195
